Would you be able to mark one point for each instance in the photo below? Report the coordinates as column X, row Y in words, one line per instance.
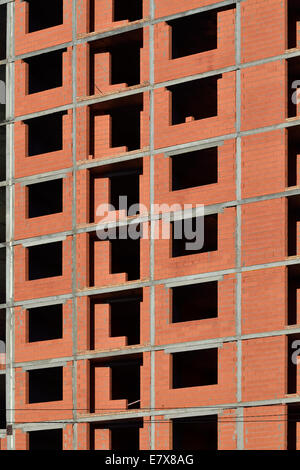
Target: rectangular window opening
column 293, row 417
column 193, row 169
column 45, row 71
column 194, row 100
column 2, row 401
column 195, row 302
column 45, row 323
column 292, row 358
column 42, row 16
column 293, row 155
column 187, row 232
column 123, row 436
column 293, row 19
column 50, row 439
column 45, row 134
column 3, row 31
column 293, row 287
column 293, row 85
column 45, row 385
column 131, row 10
column 293, row 220
column 197, row 433
column 44, row 261
column 195, row 368
column 45, row 198
column 2, row 153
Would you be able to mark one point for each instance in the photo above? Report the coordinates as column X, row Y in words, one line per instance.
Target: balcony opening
column 193, row 169
column 293, row 155
column 124, row 181
column 124, row 116
column 195, row 302
column 293, row 19
column 193, row 34
column 123, row 60
column 44, row 261
column 131, row 10
column 196, row 235
column 125, row 381
column 42, row 17
column 194, row 100
column 45, row 198
column 45, row 385
column 45, row 134
column 50, row 439
column 293, row 287
column 124, row 435
column 195, row 368
column 293, row 221
column 293, row 417
column 45, row 323
column 293, row 85
column 45, row 71
column 2, row 402
column 124, row 318
column 197, row 433
column 3, row 31
column 2, row 153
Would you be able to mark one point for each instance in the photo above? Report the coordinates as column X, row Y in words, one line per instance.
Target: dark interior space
column 293, row 77
column 131, row 10
column 45, row 198
column 50, row 439
column 193, row 34
column 2, row 214
column 45, row 323
column 125, row 380
column 44, row 261
column 195, row 368
column 293, row 18
column 195, row 302
column 293, row 347
column 293, row 416
column 43, row 17
column 2, row 402
column 293, row 286
column 2, row 329
column 196, row 99
column 45, row 134
column 3, row 31
column 2, row 275
column 45, row 384
column 199, row 433
column 125, row 121
column 124, row 181
column 124, row 315
column 124, row 435
column 194, row 169
column 45, row 71
column 2, row 93
column 184, row 227
column 293, row 218
column 293, row 151
column 2, row 153
column 125, row 58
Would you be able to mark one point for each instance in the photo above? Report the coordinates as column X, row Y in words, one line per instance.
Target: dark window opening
column 124, row 316
column 45, row 323
column 45, row 384
column 293, row 85
column 45, row 71
column 2, row 93
column 293, row 417
column 195, row 169
column 2, row 330
column 124, row 181
column 195, row 302
column 293, row 152
column 199, row 433
column 44, row 261
column 190, row 232
column 293, row 286
column 292, row 358
column 131, row 10
column 2, row 275
column 45, row 198
column 194, row 34
column 2, row 214
column 3, row 20
column 2, row 402
column 293, row 19
column 45, row 134
column 125, row 381
column 194, row 100
column 195, row 368
column 293, row 218
column 51, row 439
column 123, row 436
column 2, row 153
column 41, row 17
column 124, row 50
column 125, row 115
